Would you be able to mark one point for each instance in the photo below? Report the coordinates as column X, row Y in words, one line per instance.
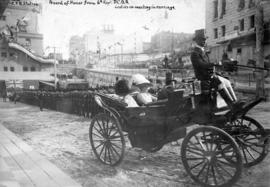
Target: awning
column 240, row 40
column 33, row 56
column 3, row 6
column 246, row 39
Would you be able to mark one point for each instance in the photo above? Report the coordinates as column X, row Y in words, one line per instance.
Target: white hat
column 138, row 79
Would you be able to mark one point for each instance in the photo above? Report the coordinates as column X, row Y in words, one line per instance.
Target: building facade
column 168, row 41
column 230, row 28
column 21, row 45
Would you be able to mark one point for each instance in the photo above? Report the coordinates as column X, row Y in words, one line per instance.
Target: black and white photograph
column 134, row 93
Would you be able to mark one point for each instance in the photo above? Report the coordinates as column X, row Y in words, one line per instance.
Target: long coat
column 202, row 67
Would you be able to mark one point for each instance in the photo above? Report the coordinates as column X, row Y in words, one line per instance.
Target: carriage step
column 176, row 134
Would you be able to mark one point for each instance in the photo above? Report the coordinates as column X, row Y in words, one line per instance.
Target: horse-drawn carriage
column 213, row 154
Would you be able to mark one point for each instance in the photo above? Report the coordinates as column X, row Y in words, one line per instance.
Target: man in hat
column 169, row 86
column 204, row 72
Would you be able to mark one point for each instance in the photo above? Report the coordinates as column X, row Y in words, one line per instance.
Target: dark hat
column 169, row 78
column 199, row 34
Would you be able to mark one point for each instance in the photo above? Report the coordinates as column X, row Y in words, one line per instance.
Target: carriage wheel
column 107, row 139
column 248, row 139
column 205, row 153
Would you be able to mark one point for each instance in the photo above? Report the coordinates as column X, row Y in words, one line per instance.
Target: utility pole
column 54, row 60
column 259, row 20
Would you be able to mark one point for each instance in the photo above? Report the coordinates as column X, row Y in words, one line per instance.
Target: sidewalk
column 21, row 166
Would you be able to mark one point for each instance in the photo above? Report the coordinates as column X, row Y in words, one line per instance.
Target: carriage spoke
column 112, row 153
column 101, row 151
column 244, row 154
column 116, row 145
column 99, row 145
column 214, row 176
column 255, row 150
column 204, row 137
column 105, row 127
column 109, row 154
column 114, row 137
column 198, row 175
column 195, row 146
column 200, row 143
column 105, row 153
column 225, row 163
column 111, row 129
column 207, row 173
column 194, row 152
column 220, row 166
column 254, row 138
column 194, row 166
column 100, row 132
column 218, row 172
column 252, row 156
column 97, row 135
column 115, row 151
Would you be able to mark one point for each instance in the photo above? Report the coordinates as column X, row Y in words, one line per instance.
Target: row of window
column 3, row 18
column 4, row 54
column 241, row 6
column 240, row 27
column 24, row 68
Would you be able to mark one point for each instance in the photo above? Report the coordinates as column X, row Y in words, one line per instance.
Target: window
column 241, row 4
column 25, row 68
column 11, row 54
column 12, row 69
column 4, row 54
column 223, row 8
column 33, row 68
column 215, row 33
column 3, row 18
column 239, row 51
column 28, row 40
column 241, row 24
column 5, row 68
column 215, row 8
column 251, row 4
column 252, row 21
column 223, row 30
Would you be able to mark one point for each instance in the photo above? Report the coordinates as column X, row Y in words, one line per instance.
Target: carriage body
column 218, row 139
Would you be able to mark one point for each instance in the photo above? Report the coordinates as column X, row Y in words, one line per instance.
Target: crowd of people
column 74, row 102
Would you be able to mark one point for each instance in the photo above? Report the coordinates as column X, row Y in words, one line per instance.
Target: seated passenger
column 143, row 97
column 169, row 87
column 122, row 89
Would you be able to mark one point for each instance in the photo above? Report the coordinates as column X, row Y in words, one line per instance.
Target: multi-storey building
column 169, row 41
column 230, row 28
column 21, row 44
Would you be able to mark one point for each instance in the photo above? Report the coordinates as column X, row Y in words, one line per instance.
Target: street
column 63, row 140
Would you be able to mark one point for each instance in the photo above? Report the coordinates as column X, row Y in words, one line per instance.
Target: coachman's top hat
column 169, row 78
column 199, row 34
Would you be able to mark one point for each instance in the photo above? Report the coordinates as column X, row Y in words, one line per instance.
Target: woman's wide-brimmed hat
column 139, row 80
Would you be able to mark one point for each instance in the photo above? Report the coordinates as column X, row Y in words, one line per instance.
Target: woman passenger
column 122, row 89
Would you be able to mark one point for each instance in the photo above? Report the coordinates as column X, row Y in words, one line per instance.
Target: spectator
column 143, row 97
column 122, row 89
column 169, row 86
